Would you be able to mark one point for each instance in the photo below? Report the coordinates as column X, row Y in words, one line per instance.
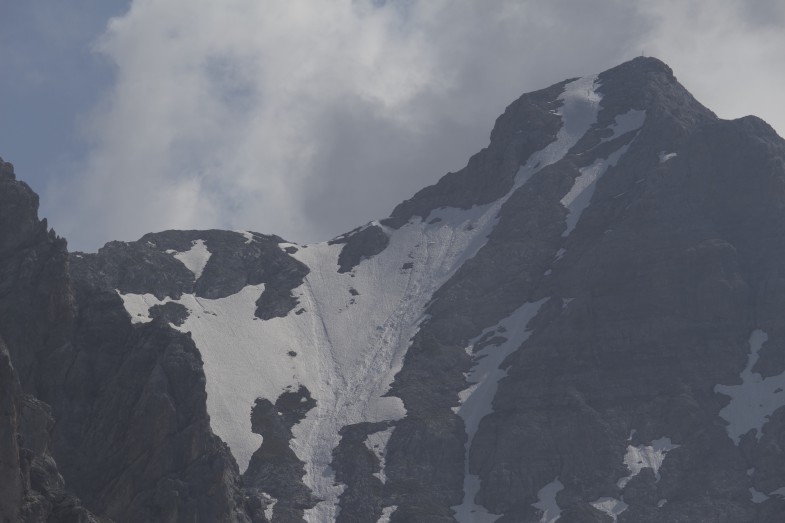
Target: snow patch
column 546, row 501
column 475, row 401
column 138, row 305
column 646, row 456
column 377, row 443
column 632, row 120
column 268, row 509
column 580, row 105
column 579, row 196
column 756, row 399
column 195, row 258
column 611, row 506
column 758, row 496
column 248, row 235
column 661, row 503
column 664, row 157
column 780, row 493
column 387, row 513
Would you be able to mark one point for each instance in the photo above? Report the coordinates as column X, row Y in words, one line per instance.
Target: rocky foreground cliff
column 585, row 324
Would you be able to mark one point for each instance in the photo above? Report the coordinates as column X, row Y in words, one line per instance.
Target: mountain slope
column 583, row 324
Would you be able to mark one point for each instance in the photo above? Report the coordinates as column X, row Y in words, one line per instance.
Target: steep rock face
column 10, row 471
column 132, row 435
column 137, row 439
column 636, row 102
column 35, row 321
column 660, row 289
column 31, row 487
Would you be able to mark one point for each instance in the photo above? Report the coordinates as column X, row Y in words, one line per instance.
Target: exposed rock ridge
column 132, row 437
column 653, row 294
column 34, row 319
column 148, row 266
column 512, row 268
column 274, row 472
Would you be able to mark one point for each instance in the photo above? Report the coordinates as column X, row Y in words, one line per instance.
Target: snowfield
column 347, row 338
column 348, row 343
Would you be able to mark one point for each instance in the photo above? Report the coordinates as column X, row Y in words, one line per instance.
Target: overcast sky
column 307, row 118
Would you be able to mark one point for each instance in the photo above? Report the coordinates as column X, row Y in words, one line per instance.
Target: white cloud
column 305, row 119
column 729, row 53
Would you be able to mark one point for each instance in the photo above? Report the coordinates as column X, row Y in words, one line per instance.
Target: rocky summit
column 584, row 324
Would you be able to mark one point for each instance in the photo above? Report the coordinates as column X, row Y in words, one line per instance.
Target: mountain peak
column 565, row 328
column 642, row 65
column 533, row 120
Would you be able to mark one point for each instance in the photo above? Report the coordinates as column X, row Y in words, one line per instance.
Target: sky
column 307, row 118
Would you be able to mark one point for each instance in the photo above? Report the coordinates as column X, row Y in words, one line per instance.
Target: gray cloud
column 306, row 119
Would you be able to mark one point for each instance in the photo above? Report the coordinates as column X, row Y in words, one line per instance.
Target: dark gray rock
column 132, row 435
column 169, row 312
column 360, row 243
column 10, row 469
column 148, row 266
column 31, row 487
column 274, row 469
column 664, row 280
column 527, row 125
column 656, row 258
column 355, row 465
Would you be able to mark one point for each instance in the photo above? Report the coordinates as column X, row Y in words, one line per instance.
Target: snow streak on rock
column 611, row 506
column 780, row 493
column 270, row 507
column 546, row 501
column 632, row 120
column 579, row 197
column 476, row 400
column 580, row 105
column 248, row 235
column 758, row 496
column 664, row 157
column 195, row 258
column 752, row 402
column 646, row 456
column 138, row 305
column 377, row 443
column 387, row 513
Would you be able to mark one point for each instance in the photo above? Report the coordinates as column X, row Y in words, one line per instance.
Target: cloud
column 729, row 53
column 306, row 119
